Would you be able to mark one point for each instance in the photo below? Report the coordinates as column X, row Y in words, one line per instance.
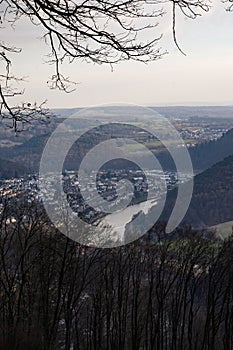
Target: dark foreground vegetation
column 56, row 294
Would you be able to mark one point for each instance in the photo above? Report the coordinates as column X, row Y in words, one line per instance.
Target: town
column 107, row 183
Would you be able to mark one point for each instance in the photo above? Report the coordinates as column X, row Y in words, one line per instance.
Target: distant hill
column 10, row 169
column 28, row 153
column 167, row 111
column 207, row 154
column 203, row 155
column 212, row 200
column 195, row 111
column 213, row 193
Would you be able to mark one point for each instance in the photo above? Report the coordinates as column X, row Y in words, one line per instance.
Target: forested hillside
column 212, row 199
column 10, row 169
column 203, row 155
column 207, row 154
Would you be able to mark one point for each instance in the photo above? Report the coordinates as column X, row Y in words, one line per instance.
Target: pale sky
column 203, row 77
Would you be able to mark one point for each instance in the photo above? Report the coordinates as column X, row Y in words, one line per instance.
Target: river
column 119, row 219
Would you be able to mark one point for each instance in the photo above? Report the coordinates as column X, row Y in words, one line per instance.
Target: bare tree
column 20, row 114
column 105, row 31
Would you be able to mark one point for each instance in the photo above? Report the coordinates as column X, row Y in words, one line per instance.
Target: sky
column 203, row 77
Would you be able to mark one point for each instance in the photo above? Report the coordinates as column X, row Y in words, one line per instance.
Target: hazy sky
column 204, row 76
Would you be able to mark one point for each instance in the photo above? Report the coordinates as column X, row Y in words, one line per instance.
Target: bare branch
column 102, row 32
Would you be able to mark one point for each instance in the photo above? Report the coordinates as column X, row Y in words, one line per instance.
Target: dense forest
column 213, row 193
column 203, row 155
column 212, row 198
column 56, row 294
column 9, row 169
